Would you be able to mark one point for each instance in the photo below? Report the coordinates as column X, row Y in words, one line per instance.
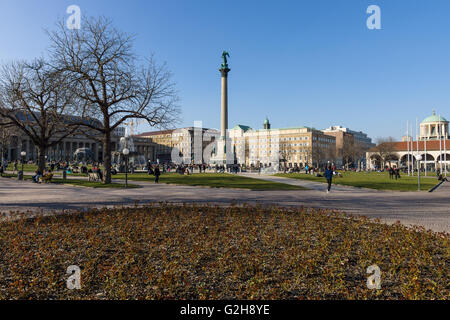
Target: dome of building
column 434, row 118
column 266, row 124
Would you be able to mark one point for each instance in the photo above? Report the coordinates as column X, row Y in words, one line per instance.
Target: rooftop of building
column 431, row 145
column 32, row 117
column 154, row 133
column 434, row 118
column 242, row 127
column 169, row 131
column 246, row 128
column 343, row 129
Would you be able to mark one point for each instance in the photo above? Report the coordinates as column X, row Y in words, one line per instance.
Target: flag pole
column 417, row 144
column 445, row 150
column 412, row 151
column 407, row 143
column 439, row 131
column 425, row 146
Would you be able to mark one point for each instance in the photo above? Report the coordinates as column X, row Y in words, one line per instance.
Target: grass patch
column 372, row 180
column 26, row 167
column 205, row 252
column 79, row 182
column 216, row 180
column 33, row 168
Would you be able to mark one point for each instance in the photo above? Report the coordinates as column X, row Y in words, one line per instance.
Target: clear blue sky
column 298, row 62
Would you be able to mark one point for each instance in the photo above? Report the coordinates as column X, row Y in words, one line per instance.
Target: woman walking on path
column 329, row 176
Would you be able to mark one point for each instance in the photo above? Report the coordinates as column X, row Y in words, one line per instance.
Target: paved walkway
column 430, row 210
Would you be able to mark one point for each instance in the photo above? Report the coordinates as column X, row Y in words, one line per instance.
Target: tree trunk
column 41, row 158
column 2, row 155
column 107, row 156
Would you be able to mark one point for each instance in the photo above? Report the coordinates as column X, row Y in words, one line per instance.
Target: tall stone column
column 222, row 145
column 224, row 103
column 220, row 156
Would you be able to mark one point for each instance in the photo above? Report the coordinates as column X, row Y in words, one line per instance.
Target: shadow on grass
column 214, row 180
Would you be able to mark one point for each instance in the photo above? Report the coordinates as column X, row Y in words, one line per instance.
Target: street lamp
column 126, row 152
column 23, row 154
column 418, row 158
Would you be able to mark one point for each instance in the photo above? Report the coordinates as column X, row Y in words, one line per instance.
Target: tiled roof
column 162, row 132
column 241, row 126
column 154, row 133
column 432, row 145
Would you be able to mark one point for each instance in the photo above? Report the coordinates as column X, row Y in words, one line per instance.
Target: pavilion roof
column 432, row 145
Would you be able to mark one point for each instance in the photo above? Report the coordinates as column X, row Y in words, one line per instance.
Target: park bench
column 47, row 178
column 94, row 176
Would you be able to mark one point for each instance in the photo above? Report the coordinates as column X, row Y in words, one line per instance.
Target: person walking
column 157, row 174
column 329, row 176
column 391, row 173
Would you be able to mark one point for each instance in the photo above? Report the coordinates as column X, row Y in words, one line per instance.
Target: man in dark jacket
column 391, row 173
column 157, row 174
column 329, row 176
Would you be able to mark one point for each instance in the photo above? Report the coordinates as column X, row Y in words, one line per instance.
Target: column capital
column 224, row 71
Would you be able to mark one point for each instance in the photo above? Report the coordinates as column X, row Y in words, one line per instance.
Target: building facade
column 351, row 146
column 432, row 144
column 180, row 145
column 287, row 147
column 66, row 149
column 360, row 136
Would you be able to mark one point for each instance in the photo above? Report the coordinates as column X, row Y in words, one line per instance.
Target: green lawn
column 79, row 182
column 372, row 180
column 26, row 167
column 217, row 180
column 33, row 167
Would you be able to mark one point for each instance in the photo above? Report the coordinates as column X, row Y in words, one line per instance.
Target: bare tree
column 7, row 133
column 109, row 77
column 285, row 153
column 359, row 151
column 318, row 154
column 309, row 155
column 330, row 153
column 348, row 150
column 36, row 100
column 384, row 148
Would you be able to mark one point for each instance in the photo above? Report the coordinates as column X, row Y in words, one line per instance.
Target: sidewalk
column 430, row 210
